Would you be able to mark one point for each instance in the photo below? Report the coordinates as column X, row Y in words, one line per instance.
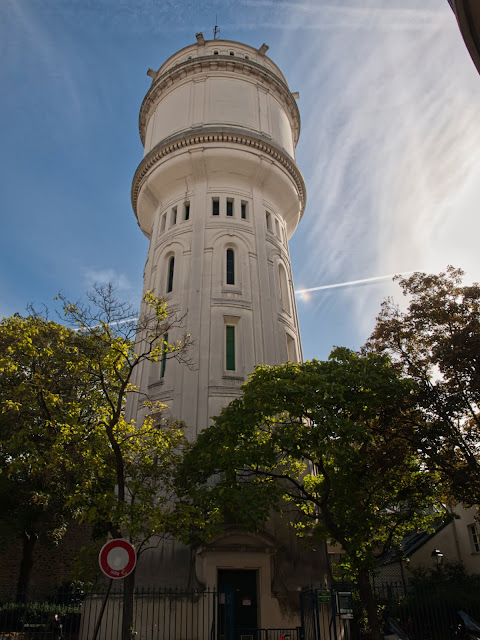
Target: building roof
column 411, row 543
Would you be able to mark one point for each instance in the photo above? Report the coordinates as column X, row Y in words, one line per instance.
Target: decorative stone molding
column 206, row 135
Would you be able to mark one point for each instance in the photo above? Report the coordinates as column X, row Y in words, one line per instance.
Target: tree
column 143, row 457
column 436, row 342
column 47, row 417
column 67, row 440
column 325, row 443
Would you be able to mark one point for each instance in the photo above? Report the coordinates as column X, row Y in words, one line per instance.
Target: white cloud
column 106, row 276
column 389, row 146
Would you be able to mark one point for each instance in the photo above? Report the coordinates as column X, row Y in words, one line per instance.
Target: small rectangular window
column 164, row 355
column 215, row 207
column 230, row 208
column 243, row 210
column 268, row 220
column 230, row 348
column 186, row 211
column 174, row 216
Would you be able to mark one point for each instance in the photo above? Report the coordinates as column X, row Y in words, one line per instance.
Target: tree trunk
column 128, row 631
column 367, row 597
column 28, row 544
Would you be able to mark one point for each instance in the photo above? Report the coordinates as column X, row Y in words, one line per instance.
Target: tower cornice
column 214, row 136
column 214, row 63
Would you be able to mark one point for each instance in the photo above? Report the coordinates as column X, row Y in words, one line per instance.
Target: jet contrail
column 352, row 282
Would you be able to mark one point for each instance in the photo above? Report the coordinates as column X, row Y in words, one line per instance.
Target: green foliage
column 436, row 342
column 47, row 427
column 66, row 449
column 327, row 442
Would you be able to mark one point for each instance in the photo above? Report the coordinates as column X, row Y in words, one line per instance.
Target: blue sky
column 390, row 144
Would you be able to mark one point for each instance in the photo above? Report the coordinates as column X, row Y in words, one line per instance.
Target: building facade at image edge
column 218, row 193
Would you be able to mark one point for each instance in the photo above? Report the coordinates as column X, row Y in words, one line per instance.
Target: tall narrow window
column 243, row 210
column 230, row 266
column 282, row 276
column 230, row 348
column 164, row 355
column 230, row 208
column 291, row 351
column 215, row 207
column 171, row 269
column 174, row 216
column 277, row 229
column 268, row 220
column 163, row 223
column 186, row 211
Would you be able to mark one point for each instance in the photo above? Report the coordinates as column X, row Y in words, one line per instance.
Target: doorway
column 237, row 604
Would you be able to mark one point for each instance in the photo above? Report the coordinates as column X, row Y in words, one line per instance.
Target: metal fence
column 164, row 614
column 443, row 611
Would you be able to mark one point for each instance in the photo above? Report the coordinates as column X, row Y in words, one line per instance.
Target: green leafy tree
column 142, row 456
column 47, row 433
column 436, row 341
column 67, row 449
column 325, row 443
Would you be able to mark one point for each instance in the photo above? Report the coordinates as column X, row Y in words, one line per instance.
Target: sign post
column 117, row 559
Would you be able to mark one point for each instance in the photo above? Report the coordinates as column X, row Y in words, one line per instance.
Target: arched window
column 171, row 269
column 282, row 276
column 230, row 266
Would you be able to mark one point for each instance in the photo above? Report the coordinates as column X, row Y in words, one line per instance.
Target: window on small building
column 174, row 216
column 230, row 347
column 268, row 220
column 164, row 355
column 230, row 208
column 215, row 207
column 230, row 266
column 243, row 210
column 186, row 211
column 474, row 537
column 171, row 270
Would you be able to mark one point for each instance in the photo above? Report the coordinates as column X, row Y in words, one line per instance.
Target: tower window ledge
column 233, row 376
column 231, row 290
column 155, row 385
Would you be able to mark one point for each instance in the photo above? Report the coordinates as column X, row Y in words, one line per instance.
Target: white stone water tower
column 218, row 193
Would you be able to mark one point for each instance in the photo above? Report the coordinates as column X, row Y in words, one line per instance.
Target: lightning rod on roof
column 216, row 29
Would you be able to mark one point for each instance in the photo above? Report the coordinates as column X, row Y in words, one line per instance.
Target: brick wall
column 52, row 565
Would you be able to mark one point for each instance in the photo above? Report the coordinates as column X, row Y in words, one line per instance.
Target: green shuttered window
column 164, row 356
column 230, row 348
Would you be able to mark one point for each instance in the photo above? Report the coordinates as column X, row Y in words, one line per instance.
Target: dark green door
column 237, row 589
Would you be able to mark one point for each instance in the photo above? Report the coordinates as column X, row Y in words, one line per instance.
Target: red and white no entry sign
column 117, row 558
